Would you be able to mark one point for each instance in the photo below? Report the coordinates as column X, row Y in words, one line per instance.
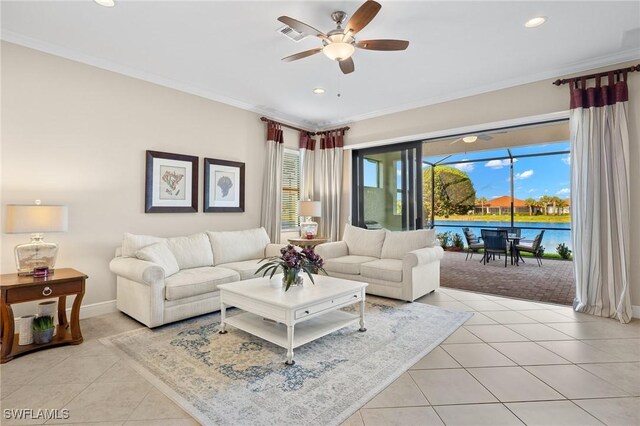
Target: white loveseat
column 162, row 280
column 400, row 265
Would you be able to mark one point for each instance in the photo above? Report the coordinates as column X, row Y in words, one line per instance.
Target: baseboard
column 635, row 311
column 95, row 309
column 88, row 311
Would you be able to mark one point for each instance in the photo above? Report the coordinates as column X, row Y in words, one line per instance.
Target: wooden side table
column 18, row 289
column 307, row 243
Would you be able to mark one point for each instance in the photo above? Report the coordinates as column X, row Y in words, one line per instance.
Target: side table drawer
column 39, row 291
column 328, row 304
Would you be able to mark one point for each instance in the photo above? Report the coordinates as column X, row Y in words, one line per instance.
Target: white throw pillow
column 160, row 254
column 398, row 244
column 132, row 243
column 363, row 242
column 236, row 246
column 192, row 251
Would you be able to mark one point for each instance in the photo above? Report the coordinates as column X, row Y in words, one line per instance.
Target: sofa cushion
column 131, row 243
column 383, row 269
column 364, row 242
column 347, row 264
column 159, row 254
column 397, row 244
column 195, row 281
column 247, row 269
column 237, row 246
column 192, row 251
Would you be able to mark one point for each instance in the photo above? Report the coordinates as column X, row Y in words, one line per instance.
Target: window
column 397, row 211
column 290, row 189
column 372, row 173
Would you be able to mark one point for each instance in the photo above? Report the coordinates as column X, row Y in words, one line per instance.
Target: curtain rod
column 299, row 129
column 559, row 82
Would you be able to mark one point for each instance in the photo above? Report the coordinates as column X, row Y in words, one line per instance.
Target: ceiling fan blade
column 362, row 16
column 301, row 55
column 347, row 66
column 383, row 44
column 485, row 137
column 301, row 27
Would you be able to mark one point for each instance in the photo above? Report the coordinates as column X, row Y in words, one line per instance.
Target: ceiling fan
column 339, row 44
column 473, row 138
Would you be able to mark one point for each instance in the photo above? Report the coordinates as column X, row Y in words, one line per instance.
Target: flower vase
column 291, row 278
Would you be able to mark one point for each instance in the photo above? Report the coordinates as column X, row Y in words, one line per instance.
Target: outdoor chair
column 495, row 242
column 532, row 247
column 473, row 243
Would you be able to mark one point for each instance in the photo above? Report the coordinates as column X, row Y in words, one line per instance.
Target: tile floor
column 514, row 362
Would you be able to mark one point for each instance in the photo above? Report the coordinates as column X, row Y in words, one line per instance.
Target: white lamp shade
column 24, row 219
column 309, row 208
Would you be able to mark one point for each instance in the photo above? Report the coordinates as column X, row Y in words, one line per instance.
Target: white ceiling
column 229, row 51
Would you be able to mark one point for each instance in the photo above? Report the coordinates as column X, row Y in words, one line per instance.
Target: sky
column 533, row 176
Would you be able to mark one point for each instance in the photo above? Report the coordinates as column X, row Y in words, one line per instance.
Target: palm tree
column 545, row 201
column 561, row 204
column 531, row 203
column 482, row 201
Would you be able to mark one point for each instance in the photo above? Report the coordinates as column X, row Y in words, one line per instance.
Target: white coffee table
column 312, row 310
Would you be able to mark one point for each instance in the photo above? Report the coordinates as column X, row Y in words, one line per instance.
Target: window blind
column 290, row 189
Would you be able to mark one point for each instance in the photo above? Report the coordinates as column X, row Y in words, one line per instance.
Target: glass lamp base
column 308, row 229
column 35, row 254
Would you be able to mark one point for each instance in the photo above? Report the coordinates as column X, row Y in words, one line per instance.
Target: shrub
column 457, row 240
column 444, row 238
column 541, row 250
column 563, row 251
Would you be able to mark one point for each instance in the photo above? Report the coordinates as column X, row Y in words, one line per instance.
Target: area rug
column 239, row 379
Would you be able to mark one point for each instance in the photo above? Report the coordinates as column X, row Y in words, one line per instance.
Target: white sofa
column 162, row 280
column 400, row 265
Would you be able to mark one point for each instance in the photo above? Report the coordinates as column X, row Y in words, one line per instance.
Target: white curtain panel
column 308, row 156
column 330, row 187
column 270, row 215
column 600, row 215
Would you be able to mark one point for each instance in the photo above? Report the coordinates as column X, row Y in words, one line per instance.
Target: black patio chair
column 495, row 242
column 532, row 247
column 473, row 243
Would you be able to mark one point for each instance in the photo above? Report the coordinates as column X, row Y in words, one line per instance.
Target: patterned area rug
column 239, row 379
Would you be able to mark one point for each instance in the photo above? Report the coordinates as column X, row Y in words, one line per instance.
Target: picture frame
column 171, row 183
column 223, row 186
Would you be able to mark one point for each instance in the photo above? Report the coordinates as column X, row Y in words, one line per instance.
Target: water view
column 555, row 232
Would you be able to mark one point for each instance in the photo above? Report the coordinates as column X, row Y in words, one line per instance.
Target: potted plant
column 42, row 329
column 292, row 262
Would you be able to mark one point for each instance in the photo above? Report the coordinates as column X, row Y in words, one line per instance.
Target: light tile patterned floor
column 514, row 362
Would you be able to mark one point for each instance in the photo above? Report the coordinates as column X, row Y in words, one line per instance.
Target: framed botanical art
column 223, row 186
column 171, row 184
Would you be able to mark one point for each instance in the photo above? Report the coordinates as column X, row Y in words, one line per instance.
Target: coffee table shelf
column 305, row 332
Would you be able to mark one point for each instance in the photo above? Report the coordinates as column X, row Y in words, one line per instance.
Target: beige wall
column 517, row 102
column 75, row 134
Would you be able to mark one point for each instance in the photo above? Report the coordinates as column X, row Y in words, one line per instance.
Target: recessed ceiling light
column 106, row 3
column 535, row 22
column 318, row 90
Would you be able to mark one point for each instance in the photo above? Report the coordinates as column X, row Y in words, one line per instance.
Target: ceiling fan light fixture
column 470, row 139
column 535, row 22
column 318, row 90
column 106, row 3
column 338, row 51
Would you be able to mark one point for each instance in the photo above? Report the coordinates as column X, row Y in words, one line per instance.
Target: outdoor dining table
column 513, row 240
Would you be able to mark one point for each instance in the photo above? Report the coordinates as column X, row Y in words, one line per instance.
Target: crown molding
column 599, row 62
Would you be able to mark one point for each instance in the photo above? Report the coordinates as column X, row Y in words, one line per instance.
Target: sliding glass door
column 387, row 187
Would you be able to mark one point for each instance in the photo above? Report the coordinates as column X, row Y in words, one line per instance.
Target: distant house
column 501, row 205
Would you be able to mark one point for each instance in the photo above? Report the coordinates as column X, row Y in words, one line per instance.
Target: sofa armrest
column 272, row 250
column 138, row 270
column 423, row 255
column 332, row 250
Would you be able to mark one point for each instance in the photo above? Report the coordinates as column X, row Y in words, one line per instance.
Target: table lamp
column 309, row 209
column 35, row 219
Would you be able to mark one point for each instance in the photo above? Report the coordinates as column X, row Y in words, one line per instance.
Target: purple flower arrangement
column 292, row 262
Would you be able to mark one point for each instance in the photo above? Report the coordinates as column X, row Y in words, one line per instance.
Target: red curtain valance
column 274, row 132
column 598, row 96
column 332, row 139
column 307, row 142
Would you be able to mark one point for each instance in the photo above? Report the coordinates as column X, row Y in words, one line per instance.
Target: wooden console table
column 307, row 243
column 18, row 289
